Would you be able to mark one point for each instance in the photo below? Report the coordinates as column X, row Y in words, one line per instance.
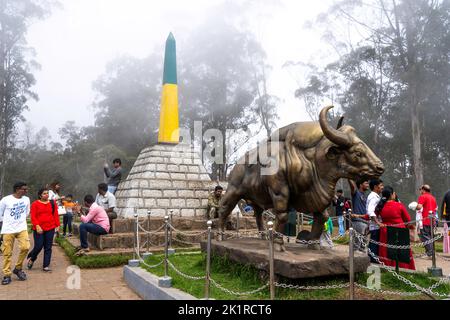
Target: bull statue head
column 352, row 157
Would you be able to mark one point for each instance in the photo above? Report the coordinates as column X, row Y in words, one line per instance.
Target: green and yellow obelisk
column 168, row 121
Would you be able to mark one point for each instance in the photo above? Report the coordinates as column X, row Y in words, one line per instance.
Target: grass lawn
column 244, row 278
column 103, row 261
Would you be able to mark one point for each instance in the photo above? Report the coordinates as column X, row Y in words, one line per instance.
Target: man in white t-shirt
column 376, row 186
column 107, row 201
column 14, row 210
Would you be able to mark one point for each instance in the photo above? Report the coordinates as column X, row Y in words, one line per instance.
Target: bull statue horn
column 340, row 122
column 335, row 136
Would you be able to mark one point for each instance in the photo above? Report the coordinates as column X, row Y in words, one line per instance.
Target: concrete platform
column 297, row 262
column 145, row 285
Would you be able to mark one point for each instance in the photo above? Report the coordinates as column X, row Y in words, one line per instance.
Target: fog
column 74, row 44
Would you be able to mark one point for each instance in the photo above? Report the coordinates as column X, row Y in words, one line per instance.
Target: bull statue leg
column 280, row 198
column 228, row 202
column 319, row 220
column 280, row 222
column 259, row 220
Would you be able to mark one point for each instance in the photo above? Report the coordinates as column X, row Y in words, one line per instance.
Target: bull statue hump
column 310, row 158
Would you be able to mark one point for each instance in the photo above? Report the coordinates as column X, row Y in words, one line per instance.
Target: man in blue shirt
column 359, row 203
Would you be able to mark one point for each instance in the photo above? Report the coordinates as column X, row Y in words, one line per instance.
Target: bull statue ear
column 333, row 152
column 340, row 122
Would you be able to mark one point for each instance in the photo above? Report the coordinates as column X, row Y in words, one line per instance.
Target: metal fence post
column 134, row 235
column 301, row 217
column 271, row 262
column 208, row 261
column 170, row 230
column 166, row 281
column 148, row 230
column 434, row 271
column 137, row 235
column 166, row 247
column 351, row 266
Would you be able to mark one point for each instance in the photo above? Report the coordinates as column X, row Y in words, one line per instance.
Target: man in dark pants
column 445, row 209
column 359, row 213
column 339, row 202
column 376, row 186
column 428, row 203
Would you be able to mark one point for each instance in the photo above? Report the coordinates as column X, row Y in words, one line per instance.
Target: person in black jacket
column 445, row 208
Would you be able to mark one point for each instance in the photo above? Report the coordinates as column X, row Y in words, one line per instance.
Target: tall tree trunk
column 417, row 146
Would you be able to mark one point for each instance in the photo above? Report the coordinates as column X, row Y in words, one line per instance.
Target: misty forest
column 390, row 81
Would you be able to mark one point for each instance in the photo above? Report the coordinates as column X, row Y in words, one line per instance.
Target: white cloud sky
column 75, row 43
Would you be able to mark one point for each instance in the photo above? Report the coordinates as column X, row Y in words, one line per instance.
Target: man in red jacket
column 428, row 203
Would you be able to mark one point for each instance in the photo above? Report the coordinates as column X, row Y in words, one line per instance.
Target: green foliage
column 90, row 262
column 16, row 66
column 392, row 85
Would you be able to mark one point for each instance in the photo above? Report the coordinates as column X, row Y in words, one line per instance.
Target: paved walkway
column 96, row 284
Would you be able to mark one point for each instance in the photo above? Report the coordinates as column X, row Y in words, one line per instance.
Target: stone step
column 181, row 223
column 75, row 241
column 126, row 240
column 180, row 238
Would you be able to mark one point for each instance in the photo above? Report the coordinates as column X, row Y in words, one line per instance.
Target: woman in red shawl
column 394, row 213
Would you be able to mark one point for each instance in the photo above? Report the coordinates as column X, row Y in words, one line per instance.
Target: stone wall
column 165, row 178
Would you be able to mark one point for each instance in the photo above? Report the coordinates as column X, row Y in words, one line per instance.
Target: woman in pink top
column 392, row 213
column 95, row 222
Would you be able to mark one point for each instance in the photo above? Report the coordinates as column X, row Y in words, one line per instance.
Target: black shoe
column 20, row 274
column 30, row 264
column 6, row 280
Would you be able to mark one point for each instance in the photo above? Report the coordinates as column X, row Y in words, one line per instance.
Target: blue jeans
column 91, row 228
column 44, row 240
column 112, row 189
column 341, row 225
column 67, row 222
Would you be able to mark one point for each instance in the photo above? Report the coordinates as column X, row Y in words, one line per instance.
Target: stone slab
column 146, row 286
column 297, row 262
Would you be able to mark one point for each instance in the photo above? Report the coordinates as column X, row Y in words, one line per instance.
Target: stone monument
column 168, row 176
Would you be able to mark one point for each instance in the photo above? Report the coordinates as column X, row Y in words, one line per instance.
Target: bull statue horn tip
column 332, row 134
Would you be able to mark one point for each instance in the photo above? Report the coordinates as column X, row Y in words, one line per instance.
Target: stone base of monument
column 435, row 272
column 297, row 262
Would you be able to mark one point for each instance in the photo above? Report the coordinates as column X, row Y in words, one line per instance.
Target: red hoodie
column 42, row 215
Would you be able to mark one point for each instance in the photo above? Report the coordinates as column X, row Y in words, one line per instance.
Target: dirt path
column 96, row 284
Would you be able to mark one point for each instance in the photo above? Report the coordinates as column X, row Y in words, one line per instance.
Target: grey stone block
column 146, row 286
column 146, row 255
column 133, row 263
column 165, row 282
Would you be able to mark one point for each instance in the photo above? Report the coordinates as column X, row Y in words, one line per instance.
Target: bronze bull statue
column 311, row 157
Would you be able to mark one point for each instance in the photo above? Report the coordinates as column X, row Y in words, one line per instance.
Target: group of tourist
column 380, row 211
column 95, row 215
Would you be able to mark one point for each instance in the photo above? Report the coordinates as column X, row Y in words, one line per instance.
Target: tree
column 218, row 83
column 16, row 78
column 128, row 103
column 394, row 83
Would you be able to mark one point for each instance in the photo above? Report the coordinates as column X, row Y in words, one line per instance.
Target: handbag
column 61, row 210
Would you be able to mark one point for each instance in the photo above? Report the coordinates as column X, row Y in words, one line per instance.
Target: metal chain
column 150, row 266
column 291, row 286
column 400, row 293
column 235, row 293
column 183, row 274
column 421, row 244
column 151, row 232
column 187, row 234
column 401, row 278
column 185, row 242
